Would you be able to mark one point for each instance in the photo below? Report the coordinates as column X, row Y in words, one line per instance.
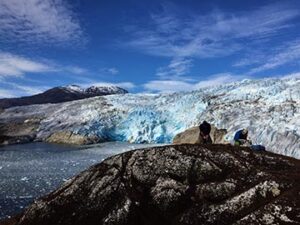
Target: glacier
column 269, row 108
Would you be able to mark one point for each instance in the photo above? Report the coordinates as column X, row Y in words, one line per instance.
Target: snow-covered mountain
column 94, row 90
column 269, row 108
column 62, row 94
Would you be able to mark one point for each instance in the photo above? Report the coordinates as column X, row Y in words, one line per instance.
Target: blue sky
column 145, row 46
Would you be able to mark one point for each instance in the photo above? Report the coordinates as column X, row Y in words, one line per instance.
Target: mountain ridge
column 61, row 94
column 269, row 108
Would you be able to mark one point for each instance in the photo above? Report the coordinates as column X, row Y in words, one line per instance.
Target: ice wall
column 269, row 108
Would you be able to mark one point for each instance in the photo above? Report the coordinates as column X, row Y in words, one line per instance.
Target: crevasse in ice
column 269, row 108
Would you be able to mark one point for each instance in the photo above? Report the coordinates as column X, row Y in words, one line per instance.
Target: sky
column 145, row 46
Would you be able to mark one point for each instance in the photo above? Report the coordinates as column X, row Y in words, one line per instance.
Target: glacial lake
column 32, row 170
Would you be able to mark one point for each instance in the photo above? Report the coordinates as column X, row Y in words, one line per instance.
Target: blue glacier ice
column 269, row 108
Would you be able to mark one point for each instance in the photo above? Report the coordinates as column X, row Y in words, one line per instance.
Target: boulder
column 67, row 137
column 18, row 131
column 191, row 136
column 177, row 184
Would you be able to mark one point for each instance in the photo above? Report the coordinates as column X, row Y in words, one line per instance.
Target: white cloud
column 212, row 35
column 177, row 68
column 111, row 71
column 16, row 90
column 45, row 21
column 165, row 86
column 76, row 70
column 291, row 76
column 286, row 54
column 7, row 94
column 252, row 57
column 13, row 65
column 28, row 90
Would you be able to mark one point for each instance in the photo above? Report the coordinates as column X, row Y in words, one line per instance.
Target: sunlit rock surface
column 268, row 108
column 67, row 137
column 191, row 136
column 180, row 184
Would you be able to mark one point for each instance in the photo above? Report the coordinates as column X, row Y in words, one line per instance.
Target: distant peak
column 62, row 94
column 74, row 88
column 94, row 89
column 106, row 89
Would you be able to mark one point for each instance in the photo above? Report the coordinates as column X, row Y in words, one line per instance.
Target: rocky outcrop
column 18, row 131
column 61, row 94
column 191, row 136
column 12, row 140
column 24, row 130
column 66, row 137
column 180, row 184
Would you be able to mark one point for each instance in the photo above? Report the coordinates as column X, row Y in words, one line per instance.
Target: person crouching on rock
column 241, row 138
column 204, row 137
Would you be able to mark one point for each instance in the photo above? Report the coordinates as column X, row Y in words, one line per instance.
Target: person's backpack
column 205, row 128
column 258, row 148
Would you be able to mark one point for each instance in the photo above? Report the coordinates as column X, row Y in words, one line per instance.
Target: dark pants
column 207, row 140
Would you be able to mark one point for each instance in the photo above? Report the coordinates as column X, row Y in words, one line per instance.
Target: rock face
column 180, row 184
column 61, row 94
column 18, row 131
column 269, row 108
column 191, row 136
column 70, row 138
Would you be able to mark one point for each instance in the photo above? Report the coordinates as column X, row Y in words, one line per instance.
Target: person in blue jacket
column 241, row 138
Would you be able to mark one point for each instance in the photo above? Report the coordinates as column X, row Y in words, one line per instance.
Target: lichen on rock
column 177, row 184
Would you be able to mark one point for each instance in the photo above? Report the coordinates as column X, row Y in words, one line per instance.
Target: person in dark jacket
column 205, row 129
column 241, row 138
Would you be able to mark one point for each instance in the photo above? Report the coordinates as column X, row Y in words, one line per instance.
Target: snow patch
column 269, row 108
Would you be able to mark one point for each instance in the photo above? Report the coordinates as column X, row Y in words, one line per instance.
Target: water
column 31, row 170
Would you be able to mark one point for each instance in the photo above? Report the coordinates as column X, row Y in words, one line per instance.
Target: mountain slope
column 61, row 94
column 269, row 108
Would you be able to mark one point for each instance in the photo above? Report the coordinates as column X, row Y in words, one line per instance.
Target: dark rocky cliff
column 61, row 94
column 180, row 184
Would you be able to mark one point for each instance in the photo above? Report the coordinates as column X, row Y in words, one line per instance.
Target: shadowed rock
column 180, row 184
column 61, row 94
column 18, row 131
